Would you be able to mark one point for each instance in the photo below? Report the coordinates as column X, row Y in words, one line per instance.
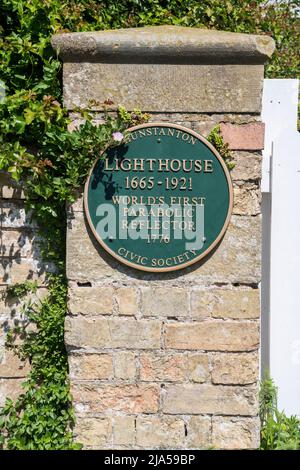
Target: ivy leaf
column 29, row 115
column 20, row 124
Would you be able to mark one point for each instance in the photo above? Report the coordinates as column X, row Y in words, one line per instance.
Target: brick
column 112, row 333
column 199, row 432
column 142, row 398
column 226, row 303
column 124, row 431
column 157, row 432
column 231, row 433
column 91, row 366
column 210, row 399
column 235, row 368
column 90, row 300
column 212, row 336
column 93, row 432
column 167, row 302
column 244, row 136
column 125, row 367
column 127, row 301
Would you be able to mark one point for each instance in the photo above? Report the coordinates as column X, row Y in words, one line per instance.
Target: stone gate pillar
column 169, row 360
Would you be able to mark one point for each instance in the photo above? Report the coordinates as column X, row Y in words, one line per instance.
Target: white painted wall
column 280, row 288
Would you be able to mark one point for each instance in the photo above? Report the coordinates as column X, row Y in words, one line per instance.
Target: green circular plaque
column 162, row 200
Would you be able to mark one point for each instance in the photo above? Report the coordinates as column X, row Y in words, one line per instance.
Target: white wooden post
column 281, row 241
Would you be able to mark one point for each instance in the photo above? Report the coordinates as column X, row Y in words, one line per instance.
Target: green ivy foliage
column 42, row 416
column 27, row 25
column 278, row 431
column 20, row 289
column 216, row 139
column 52, row 174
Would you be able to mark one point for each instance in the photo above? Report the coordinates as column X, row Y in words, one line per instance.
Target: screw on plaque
column 204, row 239
column 111, row 239
column 159, row 141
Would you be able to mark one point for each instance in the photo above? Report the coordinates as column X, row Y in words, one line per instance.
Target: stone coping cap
column 171, row 44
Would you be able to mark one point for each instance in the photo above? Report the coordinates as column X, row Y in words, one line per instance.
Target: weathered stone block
column 18, row 244
column 235, row 433
column 157, row 432
column 127, row 301
column 236, row 303
column 226, row 303
column 12, row 307
column 94, row 432
column 200, row 305
column 167, row 302
column 247, row 199
column 235, row 368
column 124, row 430
column 112, row 333
column 91, row 366
column 199, row 432
column 212, row 336
column 12, row 367
column 90, row 300
column 163, row 42
column 10, row 189
column 198, row 367
column 153, row 87
column 237, row 258
column 142, row 398
column 161, row 366
column 174, row 367
column 13, row 215
column 210, row 399
column 247, row 166
column 14, row 270
column 85, row 259
column 125, row 365
column 10, row 388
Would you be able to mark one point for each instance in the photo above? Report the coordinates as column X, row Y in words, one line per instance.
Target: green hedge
column 26, row 27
